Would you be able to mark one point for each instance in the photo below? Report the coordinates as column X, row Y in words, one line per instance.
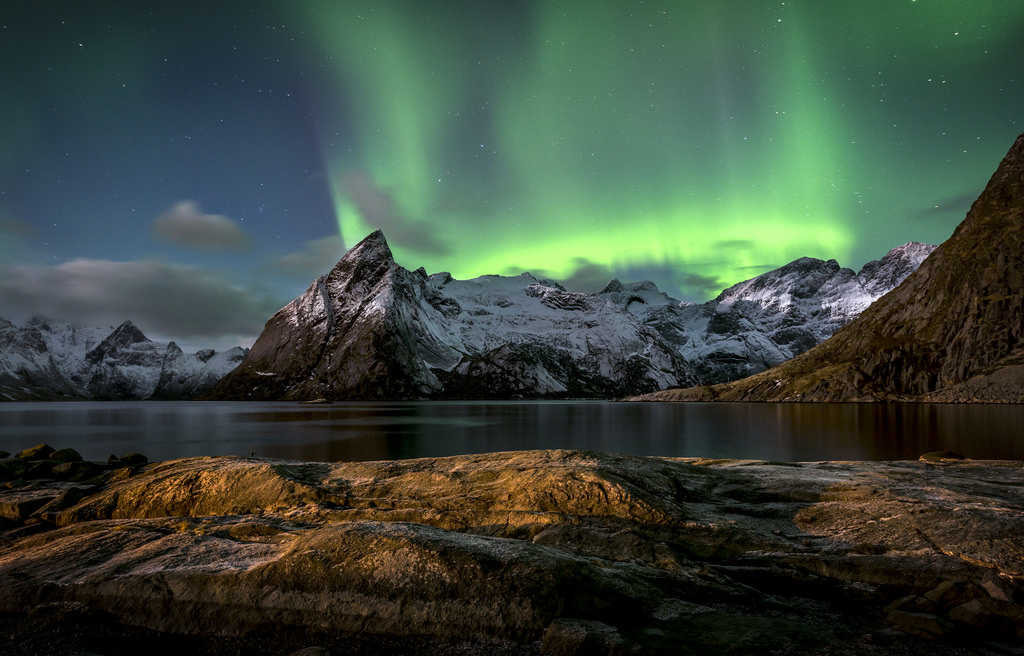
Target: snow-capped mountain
column 371, row 329
column 759, row 323
column 42, row 360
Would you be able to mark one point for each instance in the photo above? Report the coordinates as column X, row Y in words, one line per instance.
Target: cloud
column 378, row 209
column 588, row 276
column 734, row 244
column 316, row 258
column 185, row 225
column 164, row 300
column 958, row 205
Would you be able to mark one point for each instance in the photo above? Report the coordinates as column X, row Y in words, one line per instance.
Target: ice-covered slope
column 371, row 329
column 43, row 360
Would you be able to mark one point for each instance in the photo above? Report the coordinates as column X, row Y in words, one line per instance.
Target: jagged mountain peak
column 1005, row 189
column 122, row 339
column 881, row 275
column 801, row 277
column 128, row 333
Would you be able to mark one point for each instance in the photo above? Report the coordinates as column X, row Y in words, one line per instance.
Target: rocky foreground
column 552, row 552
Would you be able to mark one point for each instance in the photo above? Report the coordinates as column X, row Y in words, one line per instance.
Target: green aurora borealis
column 711, row 139
column 225, row 154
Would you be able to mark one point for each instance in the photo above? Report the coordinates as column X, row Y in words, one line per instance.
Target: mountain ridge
column 953, row 331
column 371, row 329
column 42, row 360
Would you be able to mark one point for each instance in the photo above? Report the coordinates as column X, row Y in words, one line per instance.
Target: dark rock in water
column 66, row 455
column 953, row 331
column 941, row 455
column 133, row 459
column 37, row 452
column 556, row 551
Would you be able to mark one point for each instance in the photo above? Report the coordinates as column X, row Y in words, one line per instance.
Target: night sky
column 192, row 166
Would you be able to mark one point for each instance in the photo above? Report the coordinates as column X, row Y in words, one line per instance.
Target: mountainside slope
column 48, row 361
column 952, row 331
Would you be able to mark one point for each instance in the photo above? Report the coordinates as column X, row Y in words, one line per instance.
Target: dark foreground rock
column 554, row 552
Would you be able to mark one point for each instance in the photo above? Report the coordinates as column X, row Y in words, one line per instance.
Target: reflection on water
column 370, row 431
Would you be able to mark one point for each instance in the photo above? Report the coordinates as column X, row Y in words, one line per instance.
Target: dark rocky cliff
column 952, row 331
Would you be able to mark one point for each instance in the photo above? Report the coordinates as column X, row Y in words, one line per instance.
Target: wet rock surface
column 538, row 552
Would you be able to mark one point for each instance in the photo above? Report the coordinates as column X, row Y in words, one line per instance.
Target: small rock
column 311, row 651
column 120, row 474
column 953, row 593
column 937, row 456
column 37, row 452
column 996, row 587
column 39, row 469
column 924, row 625
column 570, row 637
column 133, row 459
column 4, row 454
column 66, row 455
column 991, row 615
column 65, row 499
column 20, row 505
column 11, row 468
column 76, row 471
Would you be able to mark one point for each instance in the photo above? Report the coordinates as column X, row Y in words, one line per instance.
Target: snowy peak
column 366, row 263
column 45, row 360
column 121, row 341
column 879, row 276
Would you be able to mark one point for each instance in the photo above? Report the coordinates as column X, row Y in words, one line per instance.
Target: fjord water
column 372, row 431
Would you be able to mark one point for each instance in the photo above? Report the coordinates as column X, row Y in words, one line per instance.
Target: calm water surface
column 370, row 431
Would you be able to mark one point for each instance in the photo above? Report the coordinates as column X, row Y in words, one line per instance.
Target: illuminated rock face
column 650, row 555
column 44, row 360
column 953, row 331
column 371, row 329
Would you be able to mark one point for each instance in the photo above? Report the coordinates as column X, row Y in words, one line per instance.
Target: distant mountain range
column 371, row 329
column 42, row 360
column 952, row 332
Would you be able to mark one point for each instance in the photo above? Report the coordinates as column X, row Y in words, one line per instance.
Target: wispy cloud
column 180, row 302
column 588, row 276
column 185, row 225
column 316, row 258
column 957, row 205
column 379, row 209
